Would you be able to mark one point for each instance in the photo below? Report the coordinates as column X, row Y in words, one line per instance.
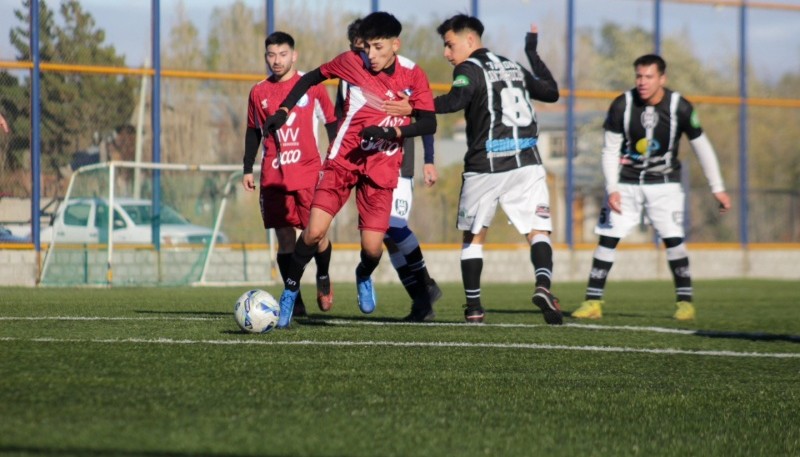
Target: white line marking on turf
column 432, row 344
column 358, row 322
column 463, row 324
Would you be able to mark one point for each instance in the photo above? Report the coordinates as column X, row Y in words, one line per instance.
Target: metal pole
column 657, row 27
column 374, row 6
column 743, row 181
column 474, row 8
column 570, row 122
column 155, row 115
column 270, row 16
column 36, row 134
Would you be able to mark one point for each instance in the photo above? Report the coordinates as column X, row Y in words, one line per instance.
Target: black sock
column 678, row 258
column 323, row 260
column 303, row 254
column 542, row 260
column 284, row 264
column 597, row 279
column 471, row 276
column 367, row 265
column 682, row 279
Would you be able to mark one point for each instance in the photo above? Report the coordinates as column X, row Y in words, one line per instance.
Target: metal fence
column 89, row 94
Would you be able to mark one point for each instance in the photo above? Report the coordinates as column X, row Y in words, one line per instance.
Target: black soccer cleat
column 548, row 303
column 300, row 309
column 473, row 314
column 434, row 292
column 420, row 313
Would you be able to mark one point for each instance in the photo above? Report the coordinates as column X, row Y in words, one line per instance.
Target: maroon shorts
column 281, row 208
column 374, row 203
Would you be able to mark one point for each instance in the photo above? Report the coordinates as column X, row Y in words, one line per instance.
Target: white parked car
column 85, row 220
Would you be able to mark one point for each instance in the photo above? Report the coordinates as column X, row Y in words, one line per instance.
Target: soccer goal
column 128, row 224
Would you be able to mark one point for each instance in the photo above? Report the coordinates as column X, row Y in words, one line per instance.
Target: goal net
column 128, row 224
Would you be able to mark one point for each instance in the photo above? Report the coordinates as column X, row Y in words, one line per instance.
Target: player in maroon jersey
column 288, row 173
column 367, row 151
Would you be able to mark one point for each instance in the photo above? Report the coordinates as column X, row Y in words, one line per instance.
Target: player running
column 405, row 252
column 366, row 153
column 288, row 176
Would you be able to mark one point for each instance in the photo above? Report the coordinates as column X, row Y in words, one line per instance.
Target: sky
column 773, row 40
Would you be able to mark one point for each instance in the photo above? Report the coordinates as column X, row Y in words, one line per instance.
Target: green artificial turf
column 165, row 371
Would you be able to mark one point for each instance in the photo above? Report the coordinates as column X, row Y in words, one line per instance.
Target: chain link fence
column 97, row 81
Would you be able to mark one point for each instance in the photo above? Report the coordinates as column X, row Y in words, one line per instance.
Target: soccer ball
column 256, row 311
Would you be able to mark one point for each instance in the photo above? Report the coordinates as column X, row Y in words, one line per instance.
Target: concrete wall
column 509, row 264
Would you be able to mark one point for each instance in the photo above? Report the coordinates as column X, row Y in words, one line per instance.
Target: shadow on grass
column 29, row 450
column 751, row 336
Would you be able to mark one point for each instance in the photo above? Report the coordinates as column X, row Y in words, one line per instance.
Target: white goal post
column 103, row 211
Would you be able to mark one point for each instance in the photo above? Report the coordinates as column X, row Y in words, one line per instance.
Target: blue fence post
column 569, row 195
column 657, row 26
column 270, row 16
column 36, row 133
column 155, row 116
column 743, row 181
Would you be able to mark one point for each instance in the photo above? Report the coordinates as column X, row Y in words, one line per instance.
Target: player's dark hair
column 379, row 25
column 459, row 23
column 651, row 59
column 352, row 30
column 278, row 38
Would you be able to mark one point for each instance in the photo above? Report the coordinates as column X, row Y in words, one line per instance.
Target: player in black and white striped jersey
column 502, row 164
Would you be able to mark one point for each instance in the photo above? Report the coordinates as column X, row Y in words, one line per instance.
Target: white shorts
column 662, row 205
column 402, row 198
column 522, row 193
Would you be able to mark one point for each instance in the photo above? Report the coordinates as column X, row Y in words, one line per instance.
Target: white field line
column 629, row 328
column 411, row 344
column 345, row 322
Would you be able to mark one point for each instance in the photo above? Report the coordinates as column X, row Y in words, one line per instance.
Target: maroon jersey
column 299, row 163
column 380, row 159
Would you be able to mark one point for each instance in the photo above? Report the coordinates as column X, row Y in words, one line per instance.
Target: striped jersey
column 651, row 134
column 496, row 95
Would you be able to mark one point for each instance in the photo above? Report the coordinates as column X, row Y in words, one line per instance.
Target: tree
column 187, row 136
column 76, row 108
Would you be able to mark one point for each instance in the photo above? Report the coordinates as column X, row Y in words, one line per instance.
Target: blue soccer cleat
column 287, row 307
column 366, row 294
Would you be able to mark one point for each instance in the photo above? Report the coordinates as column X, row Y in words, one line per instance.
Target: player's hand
column 400, row 107
column 3, row 124
column 274, row 122
column 248, row 182
column 430, row 174
column 530, row 44
column 615, row 202
column 724, row 201
column 375, row 132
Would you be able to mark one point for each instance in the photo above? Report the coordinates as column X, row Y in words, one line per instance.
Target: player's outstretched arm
column 542, row 87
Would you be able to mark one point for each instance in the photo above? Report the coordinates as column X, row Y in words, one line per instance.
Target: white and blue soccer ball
column 256, row 311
